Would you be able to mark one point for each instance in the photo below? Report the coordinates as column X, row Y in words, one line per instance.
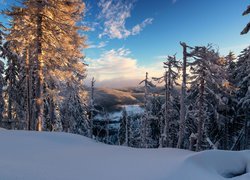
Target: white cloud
column 115, row 13
column 139, row 27
column 174, row 1
column 97, row 46
column 117, row 68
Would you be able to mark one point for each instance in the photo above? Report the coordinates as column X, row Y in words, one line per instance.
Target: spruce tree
column 49, row 30
column 242, row 77
column 170, row 77
column 206, row 85
column 147, row 116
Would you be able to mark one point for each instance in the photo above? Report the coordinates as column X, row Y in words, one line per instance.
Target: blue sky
column 129, row 37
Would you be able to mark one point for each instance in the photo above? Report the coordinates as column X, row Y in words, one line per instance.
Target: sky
column 128, row 38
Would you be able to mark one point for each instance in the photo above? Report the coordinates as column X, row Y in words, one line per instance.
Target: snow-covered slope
column 60, row 156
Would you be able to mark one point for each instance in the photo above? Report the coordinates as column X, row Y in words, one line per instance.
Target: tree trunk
column 92, row 107
column 167, row 106
column 40, row 65
column 28, row 108
column 146, row 118
column 201, row 113
column 182, row 99
column 246, row 130
column 126, row 132
column 10, row 101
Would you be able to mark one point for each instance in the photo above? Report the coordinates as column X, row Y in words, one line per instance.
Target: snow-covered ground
column 130, row 109
column 59, row 156
column 116, row 116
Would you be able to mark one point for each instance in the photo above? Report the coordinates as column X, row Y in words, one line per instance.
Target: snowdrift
column 59, row 156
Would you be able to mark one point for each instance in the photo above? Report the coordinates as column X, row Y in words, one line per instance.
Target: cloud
column 139, row 27
column 174, row 1
column 114, row 14
column 116, row 68
column 97, row 46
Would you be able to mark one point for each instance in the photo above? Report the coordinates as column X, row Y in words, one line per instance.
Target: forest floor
column 60, row 156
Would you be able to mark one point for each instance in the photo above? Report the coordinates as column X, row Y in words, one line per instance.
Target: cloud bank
column 116, row 68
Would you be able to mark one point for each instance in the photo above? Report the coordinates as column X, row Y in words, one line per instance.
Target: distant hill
column 113, row 99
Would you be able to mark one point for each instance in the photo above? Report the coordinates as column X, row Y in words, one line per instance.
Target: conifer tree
column 170, row 79
column 183, row 105
column 73, row 111
column 242, row 77
column 146, row 117
column 49, row 29
column 124, row 129
column 92, row 107
column 206, row 83
column 11, row 78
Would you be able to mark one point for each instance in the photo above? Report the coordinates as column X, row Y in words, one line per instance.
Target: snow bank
column 60, row 156
column 215, row 165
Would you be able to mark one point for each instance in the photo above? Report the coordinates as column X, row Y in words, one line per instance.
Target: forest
column 201, row 102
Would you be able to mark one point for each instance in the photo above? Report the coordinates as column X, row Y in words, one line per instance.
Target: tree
column 183, row 95
column 124, row 129
column 146, row 117
column 170, row 79
column 49, row 30
column 206, row 84
column 242, row 77
column 92, row 107
column 11, row 79
column 73, row 111
column 247, row 28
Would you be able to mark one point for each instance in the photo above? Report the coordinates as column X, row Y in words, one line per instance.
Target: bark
column 40, row 64
column 92, row 107
column 201, row 112
column 145, row 119
column 28, row 108
column 10, row 100
column 246, row 130
column 126, row 132
column 167, row 104
column 183, row 97
column 52, row 115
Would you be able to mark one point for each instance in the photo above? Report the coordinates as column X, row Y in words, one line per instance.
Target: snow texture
column 59, row 156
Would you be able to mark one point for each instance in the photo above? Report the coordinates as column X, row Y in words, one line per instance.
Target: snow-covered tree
column 207, row 79
column 11, row 78
column 73, row 110
column 147, row 116
column 124, row 129
column 92, row 107
column 183, row 106
column 170, row 79
column 242, row 77
column 49, row 29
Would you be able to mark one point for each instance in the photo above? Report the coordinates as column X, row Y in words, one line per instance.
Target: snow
column 130, row 109
column 60, row 156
